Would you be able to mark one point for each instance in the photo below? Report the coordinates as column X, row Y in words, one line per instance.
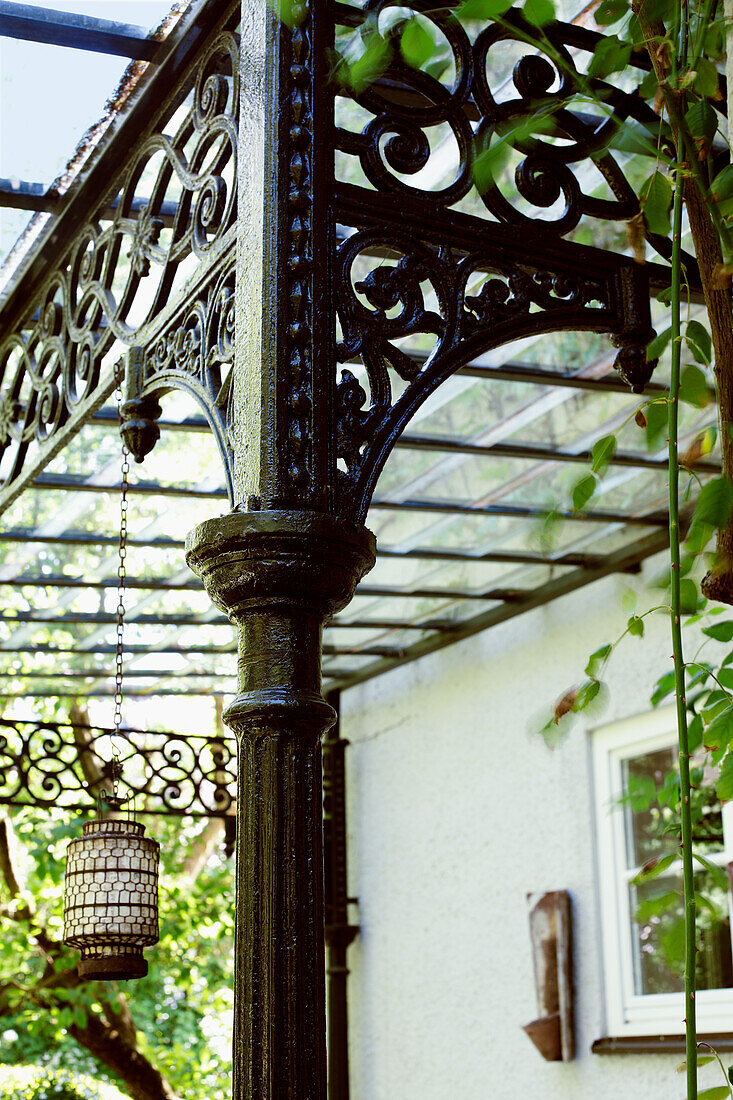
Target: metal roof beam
column 22, row 195
column 96, row 693
column 190, row 651
column 528, row 451
column 447, row 507
column 620, row 561
column 76, row 484
column 417, row 553
column 78, row 618
column 78, row 32
column 194, row 585
column 99, row 674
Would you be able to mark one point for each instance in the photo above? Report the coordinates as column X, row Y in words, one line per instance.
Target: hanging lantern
column 111, row 898
column 111, row 893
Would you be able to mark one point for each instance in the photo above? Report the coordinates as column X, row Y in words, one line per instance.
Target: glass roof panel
column 424, row 496
column 57, row 122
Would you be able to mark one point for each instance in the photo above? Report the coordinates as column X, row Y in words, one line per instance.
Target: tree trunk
column 718, row 583
column 142, row 1080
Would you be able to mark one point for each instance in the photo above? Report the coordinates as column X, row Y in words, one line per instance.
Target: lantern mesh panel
column 111, row 898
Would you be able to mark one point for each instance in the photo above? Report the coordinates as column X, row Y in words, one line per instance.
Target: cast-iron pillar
column 279, row 575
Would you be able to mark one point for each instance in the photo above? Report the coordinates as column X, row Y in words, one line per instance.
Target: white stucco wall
column 455, row 814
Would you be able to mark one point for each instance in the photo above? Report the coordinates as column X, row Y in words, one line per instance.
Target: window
column 643, row 923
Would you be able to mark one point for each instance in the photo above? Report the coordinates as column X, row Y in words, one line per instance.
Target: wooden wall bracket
column 550, row 927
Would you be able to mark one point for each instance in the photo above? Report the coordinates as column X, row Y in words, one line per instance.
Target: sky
column 50, row 95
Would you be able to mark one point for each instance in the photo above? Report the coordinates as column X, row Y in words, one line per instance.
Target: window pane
column 651, row 816
column 646, row 821
column 658, row 935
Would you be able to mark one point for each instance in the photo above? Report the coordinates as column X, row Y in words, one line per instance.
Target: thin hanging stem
column 679, row 662
column 679, row 66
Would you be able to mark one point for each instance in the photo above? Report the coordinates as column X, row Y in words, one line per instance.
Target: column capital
column 254, row 560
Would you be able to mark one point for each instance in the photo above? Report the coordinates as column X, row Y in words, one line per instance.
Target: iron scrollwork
column 129, row 264
column 544, row 99
column 456, row 302
column 421, row 284
column 47, row 764
column 194, row 352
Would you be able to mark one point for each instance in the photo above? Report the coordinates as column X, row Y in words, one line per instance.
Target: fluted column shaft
column 279, row 576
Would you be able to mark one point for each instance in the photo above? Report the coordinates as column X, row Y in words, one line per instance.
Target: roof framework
column 413, row 354
column 459, row 509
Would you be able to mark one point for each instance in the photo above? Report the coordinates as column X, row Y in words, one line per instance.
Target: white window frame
column 629, row 1013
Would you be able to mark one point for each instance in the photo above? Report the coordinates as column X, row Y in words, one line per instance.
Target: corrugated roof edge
column 95, row 138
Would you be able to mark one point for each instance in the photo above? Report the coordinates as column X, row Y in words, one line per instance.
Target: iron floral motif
column 145, row 237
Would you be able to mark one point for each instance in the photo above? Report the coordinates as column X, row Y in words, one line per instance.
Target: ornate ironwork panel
column 47, row 764
column 150, row 244
column 436, row 251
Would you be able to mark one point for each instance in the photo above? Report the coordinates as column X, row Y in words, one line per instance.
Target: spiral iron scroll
column 126, row 267
column 546, row 86
column 458, row 304
column 47, row 764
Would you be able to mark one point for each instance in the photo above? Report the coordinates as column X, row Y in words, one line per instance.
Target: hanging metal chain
column 121, row 574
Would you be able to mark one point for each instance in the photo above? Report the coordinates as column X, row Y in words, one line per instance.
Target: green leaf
column 372, row 63
column 587, row 692
column 655, row 347
column 80, row 1016
column 714, row 40
column 653, row 868
column 416, row 44
column 717, row 1092
column 695, row 733
column 483, row 10
column 635, row 626
column 657, row 419
column 629, row 601
column 720, row 730
column 634, row 136
column 722, row 186
column 649, row 86
column 665, row 685
column 597, row 660
column 724, row 785
column 611, row 55
column 714, row 503
column 706, row 81
column 694, row 388
column 610, row 11
column 583, row 491
column 721, row 632
column 539, row 12
column 699, row 342
column 689, row 597
column 718, row 875
column 642, row 792
column 701, row 1061
column 603, row 451
column 673, row 943
column 656, row 905
column 702, row 121
column 656, row 201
